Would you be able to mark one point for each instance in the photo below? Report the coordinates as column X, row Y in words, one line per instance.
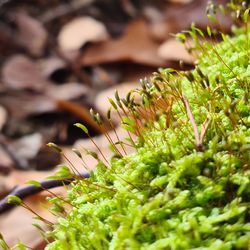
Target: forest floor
column 60, row 58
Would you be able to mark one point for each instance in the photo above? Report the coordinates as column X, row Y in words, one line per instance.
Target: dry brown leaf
column 7, row 41
column 20, row 72
column 135, row 45
column 26, row 148
column 49, row 65
column 6, row 165
column 29, row 152
column 67, row 91
column 175, row 50
column 79, row 31
column 45, row 158
column 19, row 105
column 132, row 72
column 5, row 186
column 179, row 17
column 30, row 34
column 3, row 117
column 181, row 1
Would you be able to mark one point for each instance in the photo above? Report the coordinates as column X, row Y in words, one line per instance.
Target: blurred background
column 58, row 59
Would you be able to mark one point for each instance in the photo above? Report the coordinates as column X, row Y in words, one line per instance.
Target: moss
column 176, row 192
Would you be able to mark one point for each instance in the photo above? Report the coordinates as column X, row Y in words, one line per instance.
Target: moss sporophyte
column 187, row 185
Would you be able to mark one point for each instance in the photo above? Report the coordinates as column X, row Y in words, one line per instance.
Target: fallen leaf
column 6, row 163
column 181, row 1
column 3, row 117
column 20, row 72
column 67, row 91
column 63, row 9
column 50, row 65
column 135, row 45
column 45, row 159
column 179, row 17
column 79, row 31
column 195, row 12
column 152, row 13
column 7, row 41
column 135, row 72
column 18, row 104
column 30, row 34
column 5, row 186
column 28, row 152
column 26, row 148
column 101, row 78
column 175, row 50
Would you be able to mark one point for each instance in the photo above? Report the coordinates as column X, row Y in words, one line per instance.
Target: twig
column 23, row 192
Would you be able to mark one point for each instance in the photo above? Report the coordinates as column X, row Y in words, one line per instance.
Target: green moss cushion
column 173, row 192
